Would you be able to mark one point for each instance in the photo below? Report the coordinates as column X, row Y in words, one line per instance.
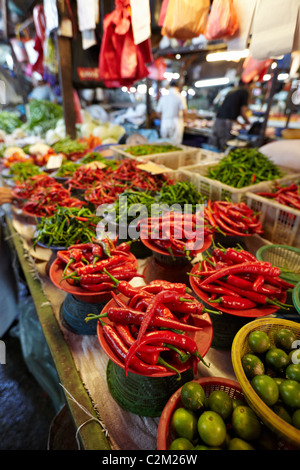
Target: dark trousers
column 221, row 133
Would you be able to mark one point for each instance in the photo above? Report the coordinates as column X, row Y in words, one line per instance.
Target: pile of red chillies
column 176, row 233
column 234, row 279
column 33, row 184
column 286, row 195
column 90, row 265
column 236, row 219
column 149, row 332
column 44, row 201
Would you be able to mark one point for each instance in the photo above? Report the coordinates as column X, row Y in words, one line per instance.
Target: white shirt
column 171, row 106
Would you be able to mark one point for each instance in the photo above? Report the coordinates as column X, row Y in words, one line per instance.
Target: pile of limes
column 273, row 369
column 216, row 422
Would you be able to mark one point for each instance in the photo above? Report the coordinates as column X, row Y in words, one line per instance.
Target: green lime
column 211, row 428
column 184, row 422
column 290, row 393
column 236, row 402
column 293, row 372
column 277, row 359
column 239, row 444
column 245, row 423
column 181, row 443
column 192, row 396
column 282, row 413
column 220, row 402
column 259, row 341
column 266, row 388
column 296, row 419
column 201, row 447
column 252, row 365
column 278, row 380
column 284, row 338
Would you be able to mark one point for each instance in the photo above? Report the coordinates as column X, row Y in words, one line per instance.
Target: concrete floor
column 26, row 411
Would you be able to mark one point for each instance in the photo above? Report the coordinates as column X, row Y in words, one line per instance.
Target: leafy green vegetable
column 244, row 167
column 43, row 115
column 9, row 121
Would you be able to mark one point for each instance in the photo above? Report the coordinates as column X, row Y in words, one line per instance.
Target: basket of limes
column 266, row 362
column 211, row 413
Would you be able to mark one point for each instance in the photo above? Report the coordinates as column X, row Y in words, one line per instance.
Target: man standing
column 234, row 105
column 172, row 108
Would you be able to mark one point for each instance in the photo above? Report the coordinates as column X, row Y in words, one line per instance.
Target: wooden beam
column 66, row 84
column 4, row 15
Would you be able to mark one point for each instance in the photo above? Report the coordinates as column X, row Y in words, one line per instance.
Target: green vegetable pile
column 9, row 121
column 97, row 157
column 148, row 149
column 69, row 146
column 66, row 227
column 182, row 192
column 43, row 115
column 145, row 204
column 24, row 170
column 244, row 167
column 133, row 204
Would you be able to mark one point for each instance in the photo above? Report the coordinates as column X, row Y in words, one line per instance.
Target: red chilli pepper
column 121, row 350
column 236, row 303
column 181, row 341
column 250, row 267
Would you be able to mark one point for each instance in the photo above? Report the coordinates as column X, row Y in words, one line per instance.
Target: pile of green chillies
column 150, row 149
column 66, row 227
column 244, row 167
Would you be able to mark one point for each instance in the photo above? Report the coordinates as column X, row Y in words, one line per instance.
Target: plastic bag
column 185, row 19
column 222, row 20
column 121, row 61
column 253, row 68
column 163, row 12
column 36, row 353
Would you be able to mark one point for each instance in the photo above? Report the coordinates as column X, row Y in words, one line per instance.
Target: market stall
column 156, row 270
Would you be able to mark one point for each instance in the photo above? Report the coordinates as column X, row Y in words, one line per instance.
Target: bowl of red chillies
column 151, row 331
column 235, row 282
column 173, row 237
column 89, row 271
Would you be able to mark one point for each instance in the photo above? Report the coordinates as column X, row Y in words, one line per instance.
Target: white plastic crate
column 281, row 224
column 174, row 159
column 217, row 191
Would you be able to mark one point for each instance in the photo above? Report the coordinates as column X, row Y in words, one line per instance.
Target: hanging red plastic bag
column 163, row 12
column 222, row 20
column 255, row 69
column 121, row 61
column 185, row 19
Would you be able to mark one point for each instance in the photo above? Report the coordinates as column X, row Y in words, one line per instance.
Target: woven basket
column 240, row 347
column 209, row 384
column 284, row 257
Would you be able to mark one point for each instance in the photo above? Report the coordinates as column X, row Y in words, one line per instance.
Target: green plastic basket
column 296, row 297
column 287, row 258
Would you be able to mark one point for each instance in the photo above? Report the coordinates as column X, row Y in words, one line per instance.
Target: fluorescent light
column 171, row 76
column 191, row 92
column 142, row 89
column 183, row 93
column 124, row 89
column 266, row 77
column 274, row 65
column 283, row 76
column 212, row 82
column 227, row 55
column 178, row 56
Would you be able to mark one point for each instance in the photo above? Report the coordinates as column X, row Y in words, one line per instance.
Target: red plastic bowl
column 248, row 313
column 202, row 337
column 56, row 274
column 164, row 431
